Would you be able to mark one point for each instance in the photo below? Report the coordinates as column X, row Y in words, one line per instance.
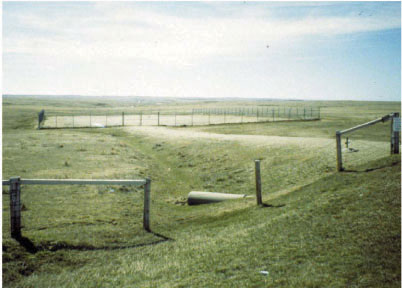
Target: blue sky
column 317, row 50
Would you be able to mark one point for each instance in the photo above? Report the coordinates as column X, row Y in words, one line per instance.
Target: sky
column 284, row 50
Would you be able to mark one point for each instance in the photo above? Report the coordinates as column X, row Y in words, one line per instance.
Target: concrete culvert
column 198, row 198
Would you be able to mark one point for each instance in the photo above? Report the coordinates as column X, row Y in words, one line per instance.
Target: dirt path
column 253, row 140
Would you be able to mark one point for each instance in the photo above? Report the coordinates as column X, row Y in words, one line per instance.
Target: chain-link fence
column 199, row 116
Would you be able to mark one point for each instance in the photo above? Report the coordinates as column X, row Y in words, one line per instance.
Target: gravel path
column 253, row 140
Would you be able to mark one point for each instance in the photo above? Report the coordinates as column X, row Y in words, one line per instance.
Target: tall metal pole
column 258, row 182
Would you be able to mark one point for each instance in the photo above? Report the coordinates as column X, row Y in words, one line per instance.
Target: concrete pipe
column 197, row 198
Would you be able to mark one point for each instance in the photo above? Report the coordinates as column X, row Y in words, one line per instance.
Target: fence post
column 56, row 120
column 338, row 152
column 158, row 118
column 242, row 114
column 311, row 112
column 192, row 117
column 147, row 204
column 394, row 135
column 15, row 207
column 304, row 116
column 257, row 113
column 106, row 120
column 224, row 117
column 258, row 182
column 175, row 118
column 140, row 118
column 209, row 117
column 122, row 118
column 73, row 120
column 273, row 114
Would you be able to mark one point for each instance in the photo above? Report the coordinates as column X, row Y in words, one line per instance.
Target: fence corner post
column 147, row 204
column 338, row 152
column 258, row 182
column 394, row 135
column 15, row 207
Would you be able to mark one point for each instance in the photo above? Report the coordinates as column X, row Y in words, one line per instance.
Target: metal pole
column 394, row 135
column 147, row 204
column 15, row 207
column 258, row 182
column 338, row 152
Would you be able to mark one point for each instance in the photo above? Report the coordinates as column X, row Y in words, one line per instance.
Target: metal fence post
column 147, row 204
column 338, row 152
column 15, row 207
column 258, row 182
column 394, row 135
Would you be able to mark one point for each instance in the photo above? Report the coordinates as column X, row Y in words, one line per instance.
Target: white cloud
column 130, row 32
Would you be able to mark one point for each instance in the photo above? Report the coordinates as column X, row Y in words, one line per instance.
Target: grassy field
column 319, row 228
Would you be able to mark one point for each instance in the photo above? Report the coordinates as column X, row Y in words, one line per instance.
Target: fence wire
column 194, row 117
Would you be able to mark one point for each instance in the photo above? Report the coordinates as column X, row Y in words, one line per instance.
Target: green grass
column 324, row 229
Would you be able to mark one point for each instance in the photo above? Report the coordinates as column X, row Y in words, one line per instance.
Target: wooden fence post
column 258, row 182
column 122, row 118
column 15, row 207
column 338, row 152
column 147, row 204
column 394, row 135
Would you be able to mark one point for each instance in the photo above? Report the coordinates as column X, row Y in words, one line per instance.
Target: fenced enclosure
column 193, row 117
column 16, row 205
column 356, row 151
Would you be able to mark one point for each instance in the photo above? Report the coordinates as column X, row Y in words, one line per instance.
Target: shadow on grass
column 46, row 246
column 264, row 205
column 371, row 169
